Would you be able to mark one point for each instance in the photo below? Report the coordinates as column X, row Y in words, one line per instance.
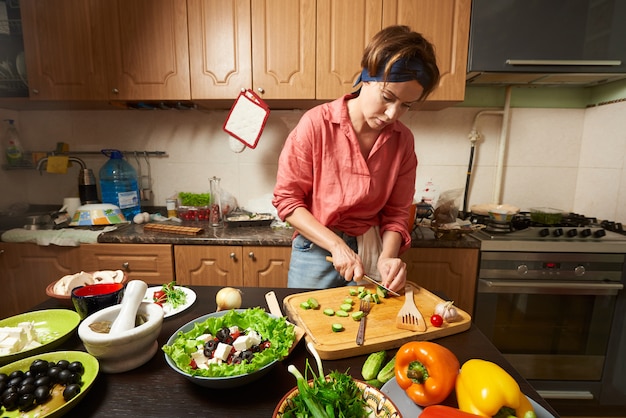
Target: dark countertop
column 259, row 235
column 154, row 390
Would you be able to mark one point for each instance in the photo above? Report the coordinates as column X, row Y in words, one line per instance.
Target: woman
column 346, row 174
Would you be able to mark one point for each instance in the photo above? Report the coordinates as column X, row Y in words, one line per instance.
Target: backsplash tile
column 573, row 159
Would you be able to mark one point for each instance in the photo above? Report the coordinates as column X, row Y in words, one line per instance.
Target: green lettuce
column 280, row 333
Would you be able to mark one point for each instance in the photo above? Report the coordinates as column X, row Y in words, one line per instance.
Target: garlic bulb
column 447, row 311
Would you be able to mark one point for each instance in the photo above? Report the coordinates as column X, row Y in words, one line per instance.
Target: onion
column 228, row 298
column 447, row 311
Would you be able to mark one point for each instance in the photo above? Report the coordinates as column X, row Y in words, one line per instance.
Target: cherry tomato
column 159, row 297
column 436, row 320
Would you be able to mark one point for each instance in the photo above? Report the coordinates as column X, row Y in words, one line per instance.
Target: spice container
column 171, row 204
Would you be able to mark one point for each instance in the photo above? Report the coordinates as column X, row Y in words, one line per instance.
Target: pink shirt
column 322, row 169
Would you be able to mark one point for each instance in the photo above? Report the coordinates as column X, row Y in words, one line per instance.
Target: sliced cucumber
column 305, row 305
column 354, row 292
column 329, row 312
column 357, row 315
column 342, row 314
column 348, row 300
column 313, row 303
column 346, row 307
column 337, row 327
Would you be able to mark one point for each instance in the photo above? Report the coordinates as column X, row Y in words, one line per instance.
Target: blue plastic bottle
column 118, row 184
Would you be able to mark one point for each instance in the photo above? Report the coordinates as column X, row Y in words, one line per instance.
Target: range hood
column 556, row 42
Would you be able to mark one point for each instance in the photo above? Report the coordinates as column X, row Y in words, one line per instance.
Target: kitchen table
column 154, row 390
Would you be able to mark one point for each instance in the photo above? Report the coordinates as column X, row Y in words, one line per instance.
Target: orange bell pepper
column 442, row 411
column 426, row 371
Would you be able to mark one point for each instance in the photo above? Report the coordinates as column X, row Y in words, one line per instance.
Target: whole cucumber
column 373, row 364
column 386, row 373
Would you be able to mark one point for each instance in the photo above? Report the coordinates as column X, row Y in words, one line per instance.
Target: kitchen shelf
column 29, row 164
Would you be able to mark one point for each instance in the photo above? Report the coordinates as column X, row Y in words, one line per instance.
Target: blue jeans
column 308, row 267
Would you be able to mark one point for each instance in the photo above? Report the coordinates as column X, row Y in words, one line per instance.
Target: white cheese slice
column 243, row 342
column 222, row 351
column 255, row 338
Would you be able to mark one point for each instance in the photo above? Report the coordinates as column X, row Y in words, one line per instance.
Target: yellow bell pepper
column 484, row 388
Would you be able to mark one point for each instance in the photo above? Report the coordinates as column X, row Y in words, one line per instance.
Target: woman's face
column 383, row 103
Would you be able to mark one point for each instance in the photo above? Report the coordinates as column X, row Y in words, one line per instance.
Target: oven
column 550, row 299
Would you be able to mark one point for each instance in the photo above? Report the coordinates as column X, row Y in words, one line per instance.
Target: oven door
column 549, row 330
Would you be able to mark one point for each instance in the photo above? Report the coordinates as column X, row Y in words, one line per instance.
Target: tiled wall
column 572, row 159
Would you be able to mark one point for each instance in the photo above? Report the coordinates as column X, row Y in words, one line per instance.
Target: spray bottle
column 12, row 145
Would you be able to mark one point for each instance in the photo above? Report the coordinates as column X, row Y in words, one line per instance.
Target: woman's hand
column 392, row 272
column 347, row 263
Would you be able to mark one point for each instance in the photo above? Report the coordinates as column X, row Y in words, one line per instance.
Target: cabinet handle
column 36, row 91
column 251, row 255
column 126, row 265
column 261, row 90
column 1, row 251
column 232, row 255
column 115, row 91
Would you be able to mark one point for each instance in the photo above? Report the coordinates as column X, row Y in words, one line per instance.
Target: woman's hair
column 409, row 53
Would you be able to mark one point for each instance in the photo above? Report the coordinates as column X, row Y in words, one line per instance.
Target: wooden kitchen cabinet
column 27, row 269
column 152, row 263
column 106, row 49
column 267, row 45
column 212, row 265
column 339, row 46
column 452, row 271
column 445, row 23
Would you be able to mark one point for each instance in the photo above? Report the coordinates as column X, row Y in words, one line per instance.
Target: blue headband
column 401, row 70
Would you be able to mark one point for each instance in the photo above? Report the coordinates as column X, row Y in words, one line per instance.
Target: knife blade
column 369, row 279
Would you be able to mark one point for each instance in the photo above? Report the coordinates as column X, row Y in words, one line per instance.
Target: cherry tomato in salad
column 436, row 320
column 159, row 297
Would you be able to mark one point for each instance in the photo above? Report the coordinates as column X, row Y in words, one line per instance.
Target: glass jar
column 215, row 214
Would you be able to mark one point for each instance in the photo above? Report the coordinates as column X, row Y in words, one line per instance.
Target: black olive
column 27, row 388
column 39, row 366
column 16, row 373
column 247, row 355
column 9, row 389
column 26, row 402
column 63, row 364
column 3, row 386
column 43, row 381
column 3, row 377
column 16, row 381
column 10, row 401
column 53, row 373
column 210, row 345
column 222, row 333
column 42, row 393
column 76, row 367
column 28, row 381
column 65, row 376
column 70, row 391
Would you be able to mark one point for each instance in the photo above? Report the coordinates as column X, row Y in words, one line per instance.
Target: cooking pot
column 97, row 214
column 485, row 208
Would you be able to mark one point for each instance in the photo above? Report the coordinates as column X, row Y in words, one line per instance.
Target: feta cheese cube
column 255, row 338
column 222, row 351
column 204, row 337
column 242, row 343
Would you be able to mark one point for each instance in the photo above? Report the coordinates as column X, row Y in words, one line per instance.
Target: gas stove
column 575, row 233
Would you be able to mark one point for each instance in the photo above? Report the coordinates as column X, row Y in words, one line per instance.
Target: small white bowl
column 127, row 350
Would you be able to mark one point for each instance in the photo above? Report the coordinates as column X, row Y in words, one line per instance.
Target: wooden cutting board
column 380, row 330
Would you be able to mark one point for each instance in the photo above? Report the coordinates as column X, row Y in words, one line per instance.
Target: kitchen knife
column 369, row 279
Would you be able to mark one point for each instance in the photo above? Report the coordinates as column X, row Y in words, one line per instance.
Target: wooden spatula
column 272, row 304
column 409, row 316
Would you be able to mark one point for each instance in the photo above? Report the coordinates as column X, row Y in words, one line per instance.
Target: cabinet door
column 452, row 271
column 266, row 266
column 64, row 59
column 208, row 265
column 147, row 49
column 220, row 51
column 283, row 48
column 27, row 269
column 340, row 45
column 151, row 263
column 445, row 23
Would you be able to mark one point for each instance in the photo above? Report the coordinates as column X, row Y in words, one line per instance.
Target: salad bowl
column 184, row 341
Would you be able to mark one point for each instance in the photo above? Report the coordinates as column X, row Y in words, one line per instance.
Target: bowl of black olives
column 46, row 384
